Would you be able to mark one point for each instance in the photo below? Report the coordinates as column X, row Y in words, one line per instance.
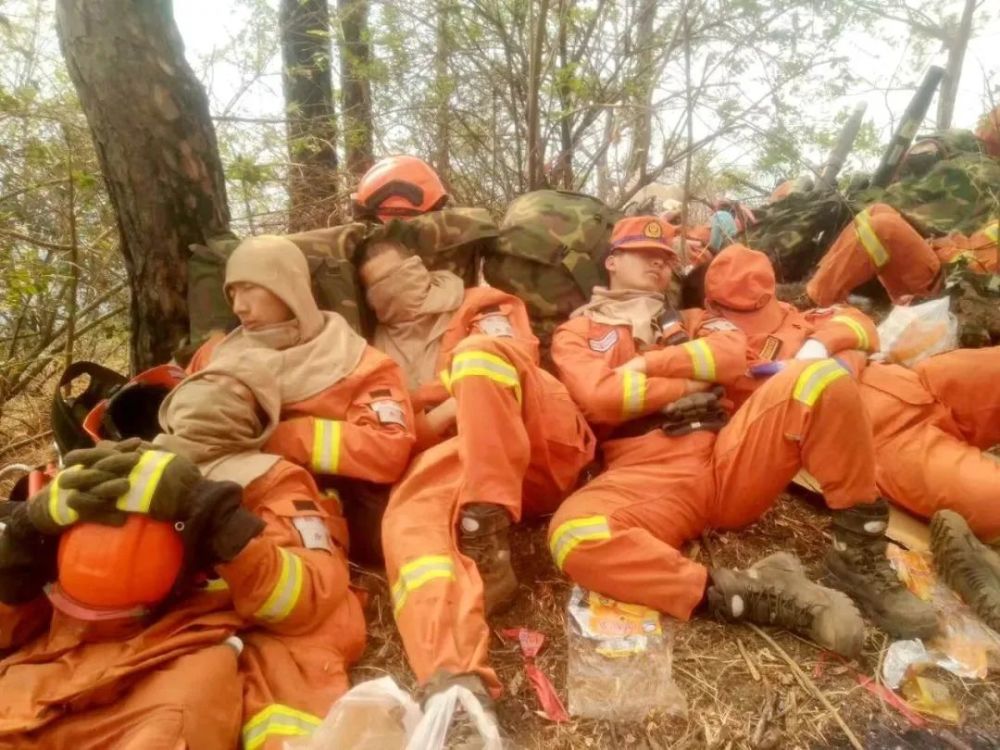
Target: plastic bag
column 913, row 333
column 374, row 715
column 438, row 711
column 620, row 660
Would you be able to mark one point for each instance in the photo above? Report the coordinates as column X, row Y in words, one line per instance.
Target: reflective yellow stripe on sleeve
column 480, row 364
column 417, row 573
column 285, row 594
column 59, row 509
column 991, row 231
column 814, row 379
column 277, row 720
column 859, row 330
column 571, row 534
column 702, row 359
column 633, row 393
column 326, row 446
column 143, row 480
column 869, row 240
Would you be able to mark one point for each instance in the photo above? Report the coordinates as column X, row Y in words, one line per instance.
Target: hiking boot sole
column 959, row 560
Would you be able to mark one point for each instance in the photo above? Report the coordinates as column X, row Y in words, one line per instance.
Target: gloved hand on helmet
column 169, row 487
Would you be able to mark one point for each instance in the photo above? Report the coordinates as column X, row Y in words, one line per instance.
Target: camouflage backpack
column 449, row 239
column 548, row 254
column 928, row 150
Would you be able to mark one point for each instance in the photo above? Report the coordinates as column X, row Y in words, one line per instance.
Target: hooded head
column 740, row 286
column 278, row 266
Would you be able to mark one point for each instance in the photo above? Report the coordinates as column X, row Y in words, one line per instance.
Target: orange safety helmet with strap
column 398, row 187
column 111, row 577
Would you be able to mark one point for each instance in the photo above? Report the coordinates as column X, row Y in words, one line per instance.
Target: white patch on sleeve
column 719, row 324
column 496, row 325
column 389, row 412
column 606, row 341
column 314, row 533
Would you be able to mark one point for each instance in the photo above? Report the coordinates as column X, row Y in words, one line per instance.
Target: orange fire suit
column 177, row 684
column 932, row 424
column 620, row 534
column 520, row 443
column 880, row 242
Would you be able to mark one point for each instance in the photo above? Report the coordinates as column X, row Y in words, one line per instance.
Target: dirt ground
column 714, row 664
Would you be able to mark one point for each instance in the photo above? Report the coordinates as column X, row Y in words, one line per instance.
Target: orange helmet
column 398, row 187
column 133, row 409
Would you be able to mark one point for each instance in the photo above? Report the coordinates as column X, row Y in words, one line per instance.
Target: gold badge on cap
column 653, row 230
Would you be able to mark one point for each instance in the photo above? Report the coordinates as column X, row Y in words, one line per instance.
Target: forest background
column 259, row 116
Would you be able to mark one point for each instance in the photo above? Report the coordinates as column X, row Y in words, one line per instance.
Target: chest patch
column 604, row 343
column 496, row 325
column 389, row 412
column 314, row 533
column 770, row 349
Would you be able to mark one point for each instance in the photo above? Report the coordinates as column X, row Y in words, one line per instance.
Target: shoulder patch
column 604, row 343
column 314, row 533
column 496, row 325
column 718, row 324
column 389, row 412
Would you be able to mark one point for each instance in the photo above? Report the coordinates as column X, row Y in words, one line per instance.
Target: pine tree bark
column 149, row 119
column 355, row 85
column 956, row 41
column 312, row 121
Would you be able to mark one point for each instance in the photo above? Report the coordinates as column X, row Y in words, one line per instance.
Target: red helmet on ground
column 398, row 187
column 133, row 410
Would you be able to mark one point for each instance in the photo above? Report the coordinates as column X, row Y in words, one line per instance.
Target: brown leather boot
column 484, row 535
column 857, row 565
column 776, row 591
column 463, row 734
column 967, row 565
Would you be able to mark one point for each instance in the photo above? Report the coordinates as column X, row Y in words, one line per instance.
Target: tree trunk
column 312, row 120
column 149, row 119
column 563, row 172
column 442, row 92
column 536, row 151
column 645, row 78
column 355, row 86
column 957, row 42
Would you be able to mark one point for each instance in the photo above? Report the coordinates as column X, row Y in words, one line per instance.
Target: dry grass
column 725, row 701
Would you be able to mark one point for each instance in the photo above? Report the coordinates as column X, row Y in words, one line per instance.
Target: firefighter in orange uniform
column 630, row 363
column 931, row 424
column 345, row 414
column 881, row 242
column 257, row 649
column 502, row 438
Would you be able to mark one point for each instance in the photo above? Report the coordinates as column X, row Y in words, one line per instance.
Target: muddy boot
column 776, row 591
column 463, row 733
column 857, row 565
column 484, row 535
column 967, row 565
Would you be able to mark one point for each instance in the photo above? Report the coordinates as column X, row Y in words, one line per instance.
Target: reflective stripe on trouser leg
column 417, row 573
column 869, row 239
column 143, row 480
column 326, row 446
column 814, row 379
column 277, row 720
column 569, row 535
column 482, row 364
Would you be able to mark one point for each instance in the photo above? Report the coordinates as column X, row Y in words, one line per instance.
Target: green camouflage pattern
column 451, row 239
column 928, row 150
column 549, row 252
column 975, row 302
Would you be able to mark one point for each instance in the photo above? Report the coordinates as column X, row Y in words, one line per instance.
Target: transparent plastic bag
column 439, row 709
column 620, row 660
column 374, row 715
column 913, row 333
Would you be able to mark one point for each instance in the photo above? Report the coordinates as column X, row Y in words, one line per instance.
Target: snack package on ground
column 620, row 660
column 439, row 709
column 913, row 333
column 374, row 715
column 966, row 647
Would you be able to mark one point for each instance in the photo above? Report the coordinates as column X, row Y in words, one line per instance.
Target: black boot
column 857, row 565
column 967, row 565
column 484, row 535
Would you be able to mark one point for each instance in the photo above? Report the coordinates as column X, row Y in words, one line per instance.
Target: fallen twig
column 25, row 441
column 809, row 685
column 746, row 657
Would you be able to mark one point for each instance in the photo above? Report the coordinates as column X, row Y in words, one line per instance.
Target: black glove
column 27, row 557
column 217, row 526
column 696, row 411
